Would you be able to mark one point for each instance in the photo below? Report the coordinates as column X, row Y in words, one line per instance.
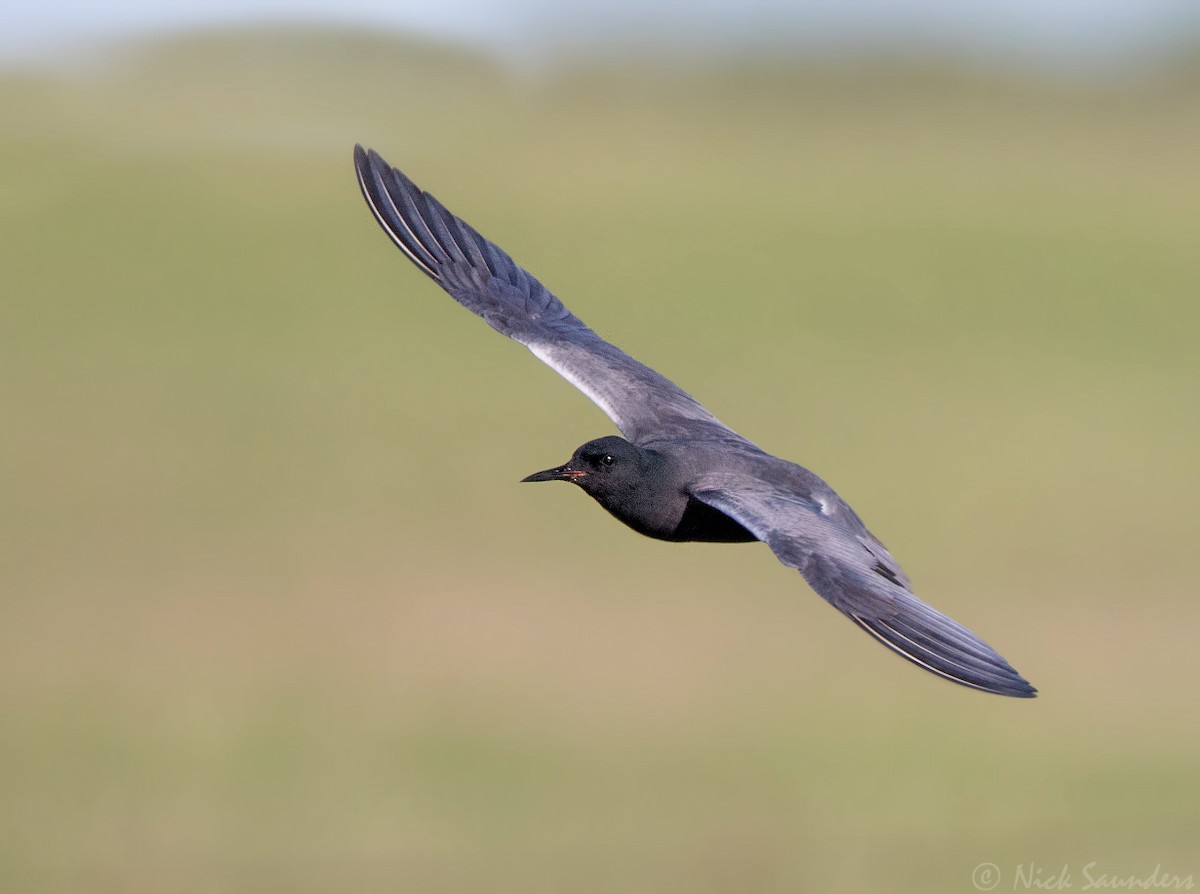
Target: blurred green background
column 276, row 616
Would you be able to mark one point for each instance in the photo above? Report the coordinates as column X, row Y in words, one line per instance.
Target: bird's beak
column 562, row 473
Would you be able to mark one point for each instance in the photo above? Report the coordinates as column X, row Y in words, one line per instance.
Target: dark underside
column 702, row 522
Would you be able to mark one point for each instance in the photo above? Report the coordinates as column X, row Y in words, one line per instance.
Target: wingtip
column 368, row 161
column 968, row 661
column 362, row 164
column 1017, row 687
column 365, row 159
column 1027, row 690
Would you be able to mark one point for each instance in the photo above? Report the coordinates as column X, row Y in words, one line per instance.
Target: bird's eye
column 607, row 459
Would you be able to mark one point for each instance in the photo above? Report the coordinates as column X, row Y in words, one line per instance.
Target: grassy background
column 274, row 614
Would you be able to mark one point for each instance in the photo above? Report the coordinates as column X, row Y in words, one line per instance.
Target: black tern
column 679, row 474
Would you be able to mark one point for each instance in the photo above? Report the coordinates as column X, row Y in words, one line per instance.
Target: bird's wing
column 826, row 542
column 478, row 275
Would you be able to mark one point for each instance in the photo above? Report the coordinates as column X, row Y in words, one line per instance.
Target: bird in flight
column 678, row 474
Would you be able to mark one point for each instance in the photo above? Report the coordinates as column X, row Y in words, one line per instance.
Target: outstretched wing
column 644, row 405
column 827, row 543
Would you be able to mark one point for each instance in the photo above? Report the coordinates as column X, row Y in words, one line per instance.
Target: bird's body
column 679, row 474
column 650, row 489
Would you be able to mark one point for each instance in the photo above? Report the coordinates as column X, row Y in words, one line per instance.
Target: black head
column 605, row 464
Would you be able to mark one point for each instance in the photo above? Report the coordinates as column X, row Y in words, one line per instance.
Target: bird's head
column 604, row 465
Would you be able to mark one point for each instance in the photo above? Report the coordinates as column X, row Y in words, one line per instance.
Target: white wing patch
column 556, row 362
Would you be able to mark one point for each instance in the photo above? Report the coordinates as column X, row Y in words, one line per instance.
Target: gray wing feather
column 644, row 405
column 848, row 567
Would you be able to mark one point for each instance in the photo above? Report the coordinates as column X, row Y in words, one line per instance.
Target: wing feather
column 643, row 404
column 853, row 572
